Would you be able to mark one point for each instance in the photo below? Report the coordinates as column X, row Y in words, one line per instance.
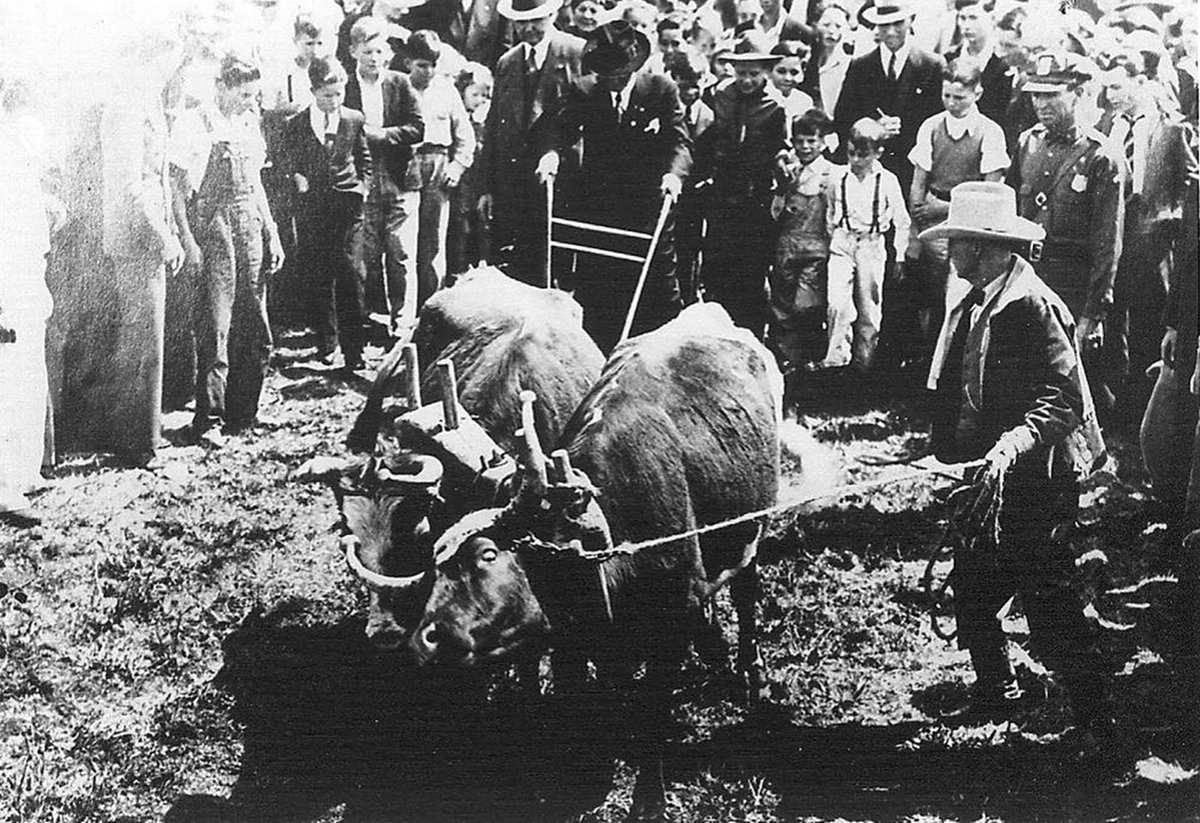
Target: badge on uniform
column 1040, row 200
column 1079, row 183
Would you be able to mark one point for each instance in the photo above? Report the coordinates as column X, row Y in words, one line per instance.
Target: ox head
column 385, row 505
column 481, row 605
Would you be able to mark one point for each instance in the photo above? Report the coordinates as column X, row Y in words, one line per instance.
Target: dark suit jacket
column 507, row 159
column 915, row 96
column 402, row 123
column 346, row 169
column 623, row 160
column 997, row 86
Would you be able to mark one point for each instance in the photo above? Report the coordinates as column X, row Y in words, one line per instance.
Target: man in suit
column 978, row 46
column 1009, row 388
column 393, row 124
column 325, row 154
column 532, row 78
column 900, row 86
column 636, row 152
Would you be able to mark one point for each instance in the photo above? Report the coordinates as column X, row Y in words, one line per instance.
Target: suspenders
column 874, row 205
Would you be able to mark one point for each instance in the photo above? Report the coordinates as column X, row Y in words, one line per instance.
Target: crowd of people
column 922, row 188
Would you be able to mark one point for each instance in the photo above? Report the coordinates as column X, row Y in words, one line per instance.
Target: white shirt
column 885, row 57
column 372, row 100
column 620, row 98
column 539, row 52
column 832, row 76
column 322, row 123
column 195, row 132
column 794, row 104
column 1141, row 127
column 860, row 199
column 994, row 153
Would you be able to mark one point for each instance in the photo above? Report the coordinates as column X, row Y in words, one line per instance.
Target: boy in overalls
column 232, row 224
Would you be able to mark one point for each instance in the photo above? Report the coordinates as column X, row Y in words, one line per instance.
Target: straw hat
column 985, row 211
column 528, row 9
column 889, row 11
column 753, row 47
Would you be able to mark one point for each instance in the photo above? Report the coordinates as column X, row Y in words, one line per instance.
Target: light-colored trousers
column 855, row 295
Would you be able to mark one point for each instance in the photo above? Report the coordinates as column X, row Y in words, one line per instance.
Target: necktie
column 952, row 369
column 892, row 68
column 330, row 135
column 1128, row 145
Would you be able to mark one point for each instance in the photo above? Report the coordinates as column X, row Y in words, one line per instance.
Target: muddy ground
column 184, row 643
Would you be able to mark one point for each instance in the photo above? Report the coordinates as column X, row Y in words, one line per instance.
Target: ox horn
column 412, row 375
column 448, row 384
column 374, row 579
column 535, row 457
column 428, row 471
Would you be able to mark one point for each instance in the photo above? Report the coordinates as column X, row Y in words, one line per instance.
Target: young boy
column 802, row 251
column 865, row 202
column 787, row 75
column 440, row 159
column 689, row 70
column 222, row 154
column 324, row 153
column 954, row 146
column 466, row 242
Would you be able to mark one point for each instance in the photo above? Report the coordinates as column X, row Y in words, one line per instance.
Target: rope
column 627, row 548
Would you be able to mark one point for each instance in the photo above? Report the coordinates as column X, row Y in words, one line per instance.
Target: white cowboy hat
column 985, row 211
column 528, row 9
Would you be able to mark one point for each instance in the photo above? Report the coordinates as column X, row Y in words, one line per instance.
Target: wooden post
column 412, row 375
column 449, row 386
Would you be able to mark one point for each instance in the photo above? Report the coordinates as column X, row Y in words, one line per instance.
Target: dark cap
column 615, row 48
column 1054, row 71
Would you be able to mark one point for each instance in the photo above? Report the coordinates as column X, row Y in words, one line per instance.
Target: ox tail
column 814, row 468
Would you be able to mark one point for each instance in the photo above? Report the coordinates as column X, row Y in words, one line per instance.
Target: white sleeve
column 994, row 153
column 899, row 214
column 921, row 155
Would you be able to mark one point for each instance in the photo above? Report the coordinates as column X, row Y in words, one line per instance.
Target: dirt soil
column 184, row 643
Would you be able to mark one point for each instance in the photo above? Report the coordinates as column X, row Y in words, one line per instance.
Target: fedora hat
column 528, row 9
column 985, row 211
column 753, row 47
column 889, row 11
column 615, row 48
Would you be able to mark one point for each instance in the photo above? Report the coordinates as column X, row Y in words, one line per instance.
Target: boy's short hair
column 967, row 72
column 236, row 70
column 472, row 74
column 867, row 135
column 324, row 71
column 671, row 21
column 424, row 45
column 813, row 122
column 365, row 30
column 1012, row 20
column 835, row 5
column 305, row 26
column 791, row 48
column 988, row 5
column 686, row 68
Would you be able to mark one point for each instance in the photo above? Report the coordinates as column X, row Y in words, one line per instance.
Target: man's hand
column 1089, row 335
column 485, row 207
column 672, row 186
column 7, row 335
column 1170, row 338
column 898, row 271
column 275, row 254
column 193, row 258
column 547, row 167
column 891, row 125
column 172, row 254
column 301, row 183
column 454, row 173
column 374, row 133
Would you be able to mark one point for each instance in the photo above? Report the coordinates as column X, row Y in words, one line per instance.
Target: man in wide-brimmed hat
column 531, row 79
column 738, row 154
column 636, row 151
column 1009, row 388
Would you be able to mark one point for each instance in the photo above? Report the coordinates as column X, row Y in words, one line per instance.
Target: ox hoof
column 757, row 689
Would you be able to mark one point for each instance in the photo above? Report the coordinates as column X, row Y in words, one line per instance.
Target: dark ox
column 681, row 430
column 502, row 336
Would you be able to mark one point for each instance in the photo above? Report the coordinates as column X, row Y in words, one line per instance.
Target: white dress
column 25, row 305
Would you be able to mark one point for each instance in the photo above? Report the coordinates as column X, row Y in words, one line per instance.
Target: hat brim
column 1034, row 86
column 1022, row 231
column 591, row 49
column 873, row 18
column 549, row 9
column 751, row 58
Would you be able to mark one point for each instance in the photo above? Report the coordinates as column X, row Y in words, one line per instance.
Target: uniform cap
column 1055, row 71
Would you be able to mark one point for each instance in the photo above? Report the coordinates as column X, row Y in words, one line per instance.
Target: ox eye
column 488, row 555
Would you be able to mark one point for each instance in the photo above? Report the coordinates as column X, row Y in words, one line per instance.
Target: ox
column 682, row 430
column 501, row 336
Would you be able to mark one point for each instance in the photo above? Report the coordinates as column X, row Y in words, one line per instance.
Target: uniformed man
column 1069, row 182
